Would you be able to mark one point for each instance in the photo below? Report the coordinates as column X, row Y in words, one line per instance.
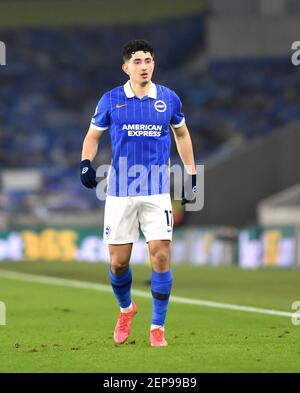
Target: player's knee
column 160, row 261
column 119, row 266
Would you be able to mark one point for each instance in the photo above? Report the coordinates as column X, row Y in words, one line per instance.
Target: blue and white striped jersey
column 140, row 138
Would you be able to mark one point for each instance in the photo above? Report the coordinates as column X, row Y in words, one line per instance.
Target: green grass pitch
column 63, row 329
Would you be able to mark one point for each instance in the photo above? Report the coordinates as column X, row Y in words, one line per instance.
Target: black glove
column 87, row 174
column 188, row 195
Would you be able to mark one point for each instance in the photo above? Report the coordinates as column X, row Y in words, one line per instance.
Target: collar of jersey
column 130, row 94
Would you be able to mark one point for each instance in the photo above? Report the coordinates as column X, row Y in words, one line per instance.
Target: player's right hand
column 87, row 174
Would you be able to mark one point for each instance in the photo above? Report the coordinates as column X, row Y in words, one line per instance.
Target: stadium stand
column 282, row 208
column 56, row 76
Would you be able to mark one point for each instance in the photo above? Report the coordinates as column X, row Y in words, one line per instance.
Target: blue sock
column 121, row 285
column 161, row 285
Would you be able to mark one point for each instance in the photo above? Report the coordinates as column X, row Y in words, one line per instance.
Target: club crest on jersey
column 160, row 106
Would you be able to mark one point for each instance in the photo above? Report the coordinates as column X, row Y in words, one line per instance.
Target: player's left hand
column 189, row 193
column 87, row 174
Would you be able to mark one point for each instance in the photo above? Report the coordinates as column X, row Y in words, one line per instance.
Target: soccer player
column 138, row 116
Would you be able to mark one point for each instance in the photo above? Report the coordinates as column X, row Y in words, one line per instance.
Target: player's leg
column 121, row 278
column 120, row 231
column 161, row 285
column 156, row 221
column 120, row 274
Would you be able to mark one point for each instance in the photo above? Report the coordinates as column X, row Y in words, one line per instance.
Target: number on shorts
column 169, row 218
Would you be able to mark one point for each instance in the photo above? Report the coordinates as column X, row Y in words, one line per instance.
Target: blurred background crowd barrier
column 250, row 248
column 230, row 63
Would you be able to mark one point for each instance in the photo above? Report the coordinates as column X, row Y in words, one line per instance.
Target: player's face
column 140, row 67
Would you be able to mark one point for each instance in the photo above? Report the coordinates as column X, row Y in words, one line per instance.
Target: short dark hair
column 134, row 46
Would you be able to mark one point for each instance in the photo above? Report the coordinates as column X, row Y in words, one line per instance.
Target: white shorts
column 124, row 215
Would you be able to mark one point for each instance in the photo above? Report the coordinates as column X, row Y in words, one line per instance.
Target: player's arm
column 99, row 124
column 89, row 151
column 185, row 149
column 91, row 143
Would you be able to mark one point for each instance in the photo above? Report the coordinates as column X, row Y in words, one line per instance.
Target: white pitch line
column 107, row 288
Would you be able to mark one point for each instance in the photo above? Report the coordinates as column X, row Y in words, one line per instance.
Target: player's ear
column 125, row 68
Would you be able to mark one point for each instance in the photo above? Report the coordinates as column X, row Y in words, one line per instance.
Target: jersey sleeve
column 101, row 118
column 177, row 118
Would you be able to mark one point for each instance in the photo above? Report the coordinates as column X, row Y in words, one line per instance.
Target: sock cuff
column 120, row 278
column 162, row 277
